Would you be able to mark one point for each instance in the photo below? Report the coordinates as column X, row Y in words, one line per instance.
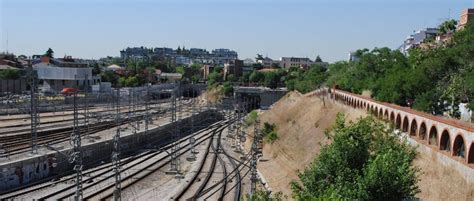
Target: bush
column 364, row 162
column 251, row 118
column 272, row 137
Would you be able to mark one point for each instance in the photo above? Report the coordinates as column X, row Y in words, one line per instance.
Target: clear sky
column 276, row 28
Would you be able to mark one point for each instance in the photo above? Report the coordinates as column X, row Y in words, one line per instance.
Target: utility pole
column 116, row 153
column 86, row 107
column 147, row 108
column 76, row 155
column 192, row 140
column 175, row 162
column 33, row 110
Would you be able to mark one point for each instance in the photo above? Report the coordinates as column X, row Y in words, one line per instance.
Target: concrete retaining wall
column 44, row 167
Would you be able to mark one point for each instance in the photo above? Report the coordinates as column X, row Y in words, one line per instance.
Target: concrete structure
column 164, row 52
column 38, row 168
column 170, row 77
column 268, row 62
column 264, row 97
column 233, row 67
column 182, row 60
column 467, row 15
column 57, row 74
column 295, row 62
column 451, row 137
column 222, row 56
column 135, row 53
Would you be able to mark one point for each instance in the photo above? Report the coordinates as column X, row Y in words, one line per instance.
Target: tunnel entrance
column 250, row 101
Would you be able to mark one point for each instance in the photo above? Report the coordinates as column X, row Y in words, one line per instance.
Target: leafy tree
column 271, row 80
column 363, row 162
column 110, row 76
column 49, row 53
column 256, row 77
column 9, row 74
column 448, row 26
column 318, row 59
column 228, row 88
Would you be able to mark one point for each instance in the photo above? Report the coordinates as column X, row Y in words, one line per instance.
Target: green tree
column 318, row 59
column 448, row 26
column 363, row 162
column 256, row 77
column 9, row 74
column 49, row 53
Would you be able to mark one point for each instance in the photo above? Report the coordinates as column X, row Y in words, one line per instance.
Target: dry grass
column 301, row 122
column 211, row 96
column 439, row 182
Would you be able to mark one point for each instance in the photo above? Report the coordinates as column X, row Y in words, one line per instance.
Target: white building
column 296, row 62
column 53, row 78
column 414, row 40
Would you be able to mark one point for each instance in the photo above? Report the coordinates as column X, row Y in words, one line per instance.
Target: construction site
column 131, row 143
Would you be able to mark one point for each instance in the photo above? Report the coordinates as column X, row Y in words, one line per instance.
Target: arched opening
column 405, row 124
column 385, row 116
column 470, row 156
column 413, row 127
column 433, row 137
column 459, row 149
column 381, row 113
column 398, row 122
column 445, row 142
column 422, row 132
column 392, row 116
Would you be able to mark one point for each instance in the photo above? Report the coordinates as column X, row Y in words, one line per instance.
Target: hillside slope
column 301, row 122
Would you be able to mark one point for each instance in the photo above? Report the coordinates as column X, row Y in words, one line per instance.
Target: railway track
column 18, row 144
column 220, row 165
column 103, row 176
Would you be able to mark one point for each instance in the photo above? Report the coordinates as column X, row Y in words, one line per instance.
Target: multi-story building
column 164, row 52
column 222, row 56
column 182, row 60
column 296, row 62
column 135, row 53
column 198, row 53
column 56, row 74
column 467, row 15
column 234, row 67
column 418, row 38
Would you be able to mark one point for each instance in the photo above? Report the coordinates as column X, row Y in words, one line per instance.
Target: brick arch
column 470, row 155
column 433, row 136
column 385, row 115
column 413, row 127
column 398, row 121
column 445, row 141
column 422, row 131
column 405, row 124
column 459, row 146
column 365, row 104
column 392, row 117
column 380, row 113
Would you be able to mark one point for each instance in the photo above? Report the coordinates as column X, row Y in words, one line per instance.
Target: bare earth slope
column 301, row 122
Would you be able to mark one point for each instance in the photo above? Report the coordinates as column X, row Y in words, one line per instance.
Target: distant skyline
column 274, row 28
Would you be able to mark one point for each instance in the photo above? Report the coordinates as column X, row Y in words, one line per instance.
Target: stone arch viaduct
column 451, row 137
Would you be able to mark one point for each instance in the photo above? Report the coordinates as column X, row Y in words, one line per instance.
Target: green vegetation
column 251, row 118
column 434, row 80
column 261, row 195
column 269, row 132
column 9, row 74
column 364, row 162
column 306, row 80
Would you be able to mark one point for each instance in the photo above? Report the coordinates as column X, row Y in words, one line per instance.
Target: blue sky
column 330, row 28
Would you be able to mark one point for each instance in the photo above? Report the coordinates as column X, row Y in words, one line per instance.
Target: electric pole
column 76, row 155
column 34, row 104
